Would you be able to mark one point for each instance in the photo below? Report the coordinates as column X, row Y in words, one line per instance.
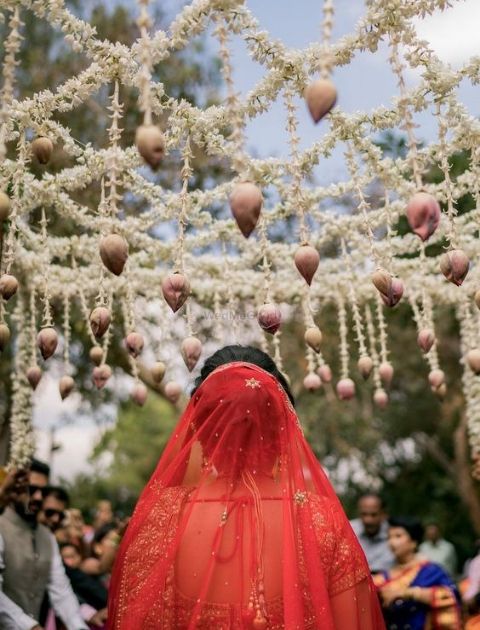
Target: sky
column 363, row 85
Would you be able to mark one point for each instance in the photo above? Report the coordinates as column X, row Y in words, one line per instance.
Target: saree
column 239, row 527
column 443, row 613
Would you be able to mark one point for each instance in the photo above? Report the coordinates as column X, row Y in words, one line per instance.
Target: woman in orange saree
column 239, row 527
column 416, row 594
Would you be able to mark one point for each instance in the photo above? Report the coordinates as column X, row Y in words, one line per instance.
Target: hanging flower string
column 144, row 23
column 325, row 59
column 12, row 48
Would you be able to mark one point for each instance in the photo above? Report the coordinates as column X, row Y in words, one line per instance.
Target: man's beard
column 28, row 513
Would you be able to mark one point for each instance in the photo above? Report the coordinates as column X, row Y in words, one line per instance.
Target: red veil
column 239, row 527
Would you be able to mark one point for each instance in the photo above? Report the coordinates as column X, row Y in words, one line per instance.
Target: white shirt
column 60, row 592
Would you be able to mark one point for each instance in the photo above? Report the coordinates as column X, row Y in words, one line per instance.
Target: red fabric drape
column 239, row 527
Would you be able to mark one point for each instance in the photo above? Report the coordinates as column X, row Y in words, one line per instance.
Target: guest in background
column 371, row 529
column 438, row 550
column 55, row 502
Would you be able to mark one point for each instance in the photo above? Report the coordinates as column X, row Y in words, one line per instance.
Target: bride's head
column 242, row 406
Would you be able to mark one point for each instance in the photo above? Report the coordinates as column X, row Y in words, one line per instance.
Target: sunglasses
column 33, row 489
column 49, row 512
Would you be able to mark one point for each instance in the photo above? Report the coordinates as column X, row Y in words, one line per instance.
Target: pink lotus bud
column 436, row 378
column 4, row 336
column 473, row 360
column 325, row 373
column 96, row 354
column 150, row 143
column 269, row 317
column 321, row 96
column 157, row 372
column 100, row 319
column 385, row 372
column 365, row 366
column 47, row 340
column 313, row 337
column 441, row 391
column 423, row 214
column 390, row 288
column 173, row 391
column 134, row 344
column 246, row 203
column 454, row 266
column 4, row 206
column 8, row 286
column 312, row 382
column 380, row 398
column 191, row 350
column 426, row 339
column 65, row 386
column 176, row 289
column 307, row 260
column 42, row 149
column 345, row 389
column 100, row 375
column 114, row 253
column 139, row 394
column 34, row 374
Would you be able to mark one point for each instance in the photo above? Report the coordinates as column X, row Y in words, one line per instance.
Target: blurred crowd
column 54, row 568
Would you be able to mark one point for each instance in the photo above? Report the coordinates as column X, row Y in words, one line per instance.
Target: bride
column 239, row 527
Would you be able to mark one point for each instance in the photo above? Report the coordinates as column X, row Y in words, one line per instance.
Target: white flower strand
column 373, row 347
column 357, row 317
column 12, row 48
column 325, row 61
column 343, row 331
column 144, row 23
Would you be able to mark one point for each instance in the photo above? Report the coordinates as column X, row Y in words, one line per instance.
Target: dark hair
column 40, row 467
column 103, row 531
column 248, row 354
column 64, row 545
column 59, row 493
column 411, row 524
column 372, row 495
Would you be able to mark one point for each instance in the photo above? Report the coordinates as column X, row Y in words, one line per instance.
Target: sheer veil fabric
column 239, row 527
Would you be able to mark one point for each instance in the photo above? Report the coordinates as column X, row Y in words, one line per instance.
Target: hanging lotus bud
column 321, row 96
column 139, row 394
column 8, row 286
column 269, row 317
column 380, row 398
column 134, row 344
column 385, row 371
column 325, row 373
column 312, row 382
column 426, row 339
column 390, row 288
column 246, row 203
column 4, row 336
column 454, row 266
column 365, row 366
column 423, row 215
column 441, row 391
column 65, row 386
column 4, row 206
column 191, row 350
column 307, row 260
column 47, row 340
column 96, row 354
column 100, row 375
column 157, row 372
column 313, row 337
column 176, row 289
column 473, row 360
column 42, row 149
column 34, row 374
column 477, row 298
column 173, row 391
column 100, row 319
column 114, row 253
column 345, row 389
column 436, row 378
column 150, row 143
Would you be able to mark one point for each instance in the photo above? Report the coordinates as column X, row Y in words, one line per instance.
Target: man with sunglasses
column 55, row 502
column 30, row 562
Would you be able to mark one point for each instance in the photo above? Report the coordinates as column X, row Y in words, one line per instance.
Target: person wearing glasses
column 55, row 502
column 30, row 561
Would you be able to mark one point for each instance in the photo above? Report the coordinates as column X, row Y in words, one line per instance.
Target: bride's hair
column 247, row 354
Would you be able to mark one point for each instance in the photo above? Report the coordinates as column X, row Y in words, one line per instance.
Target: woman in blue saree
column 416, row 594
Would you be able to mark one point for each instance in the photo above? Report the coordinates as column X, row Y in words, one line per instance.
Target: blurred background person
column 436, row 549
column 371, row 529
